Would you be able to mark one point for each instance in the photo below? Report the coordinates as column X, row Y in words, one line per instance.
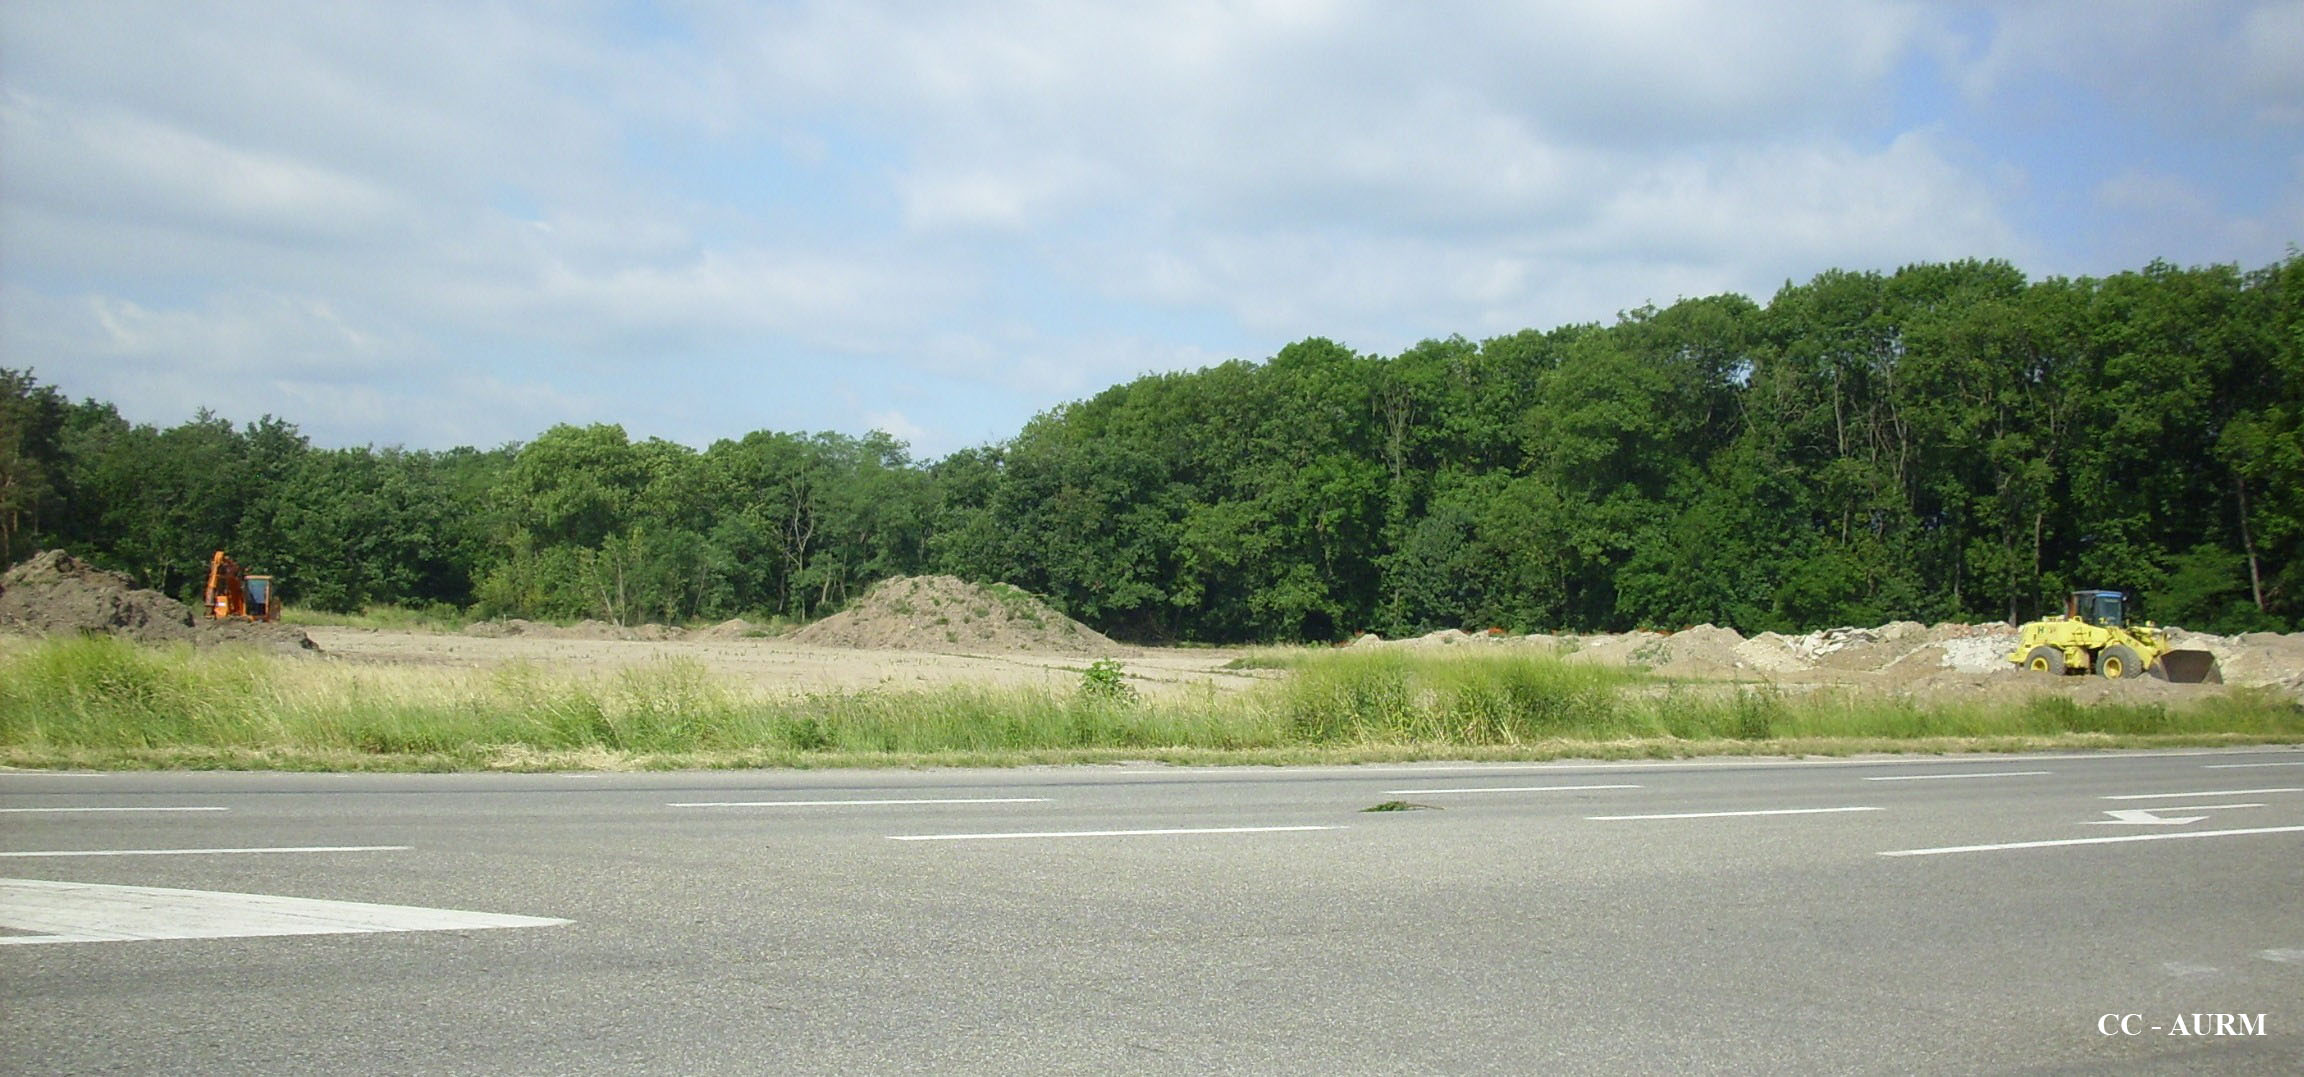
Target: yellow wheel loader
column 2094, row 635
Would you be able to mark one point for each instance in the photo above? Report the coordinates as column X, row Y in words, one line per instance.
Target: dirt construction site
column 939, row 631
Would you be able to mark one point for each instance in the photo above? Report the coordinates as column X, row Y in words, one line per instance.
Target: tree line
column 1947, row 442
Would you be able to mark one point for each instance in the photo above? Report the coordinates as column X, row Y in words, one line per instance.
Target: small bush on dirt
column 1105, row 682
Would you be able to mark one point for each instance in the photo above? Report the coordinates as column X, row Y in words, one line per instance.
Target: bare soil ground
column 791, row 666
column 929, row 632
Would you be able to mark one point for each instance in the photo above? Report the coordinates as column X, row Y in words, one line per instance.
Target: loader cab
column 2105, row 609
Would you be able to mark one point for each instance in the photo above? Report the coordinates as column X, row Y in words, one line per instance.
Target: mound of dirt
column 1905, row 653
column 1446, row 637
column 1771, row 652
column 57, row 594
column 1702, row 649
column 732, row 628
column 946, row 613
column 504, row 629
column 581, row 630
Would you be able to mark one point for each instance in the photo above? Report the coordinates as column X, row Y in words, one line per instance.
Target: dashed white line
column 2202, row 793
column 850, row 803
column 1948, row 777
column 1504, row 789
column 64, row 811
column 2248, row 766
column 213, row 852
column 1725, row 814
column 1107, row 833
column 2094, row 841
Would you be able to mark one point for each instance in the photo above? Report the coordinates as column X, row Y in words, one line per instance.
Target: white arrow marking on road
column 2141, row 816
column 92, row 912
column 2144, row 815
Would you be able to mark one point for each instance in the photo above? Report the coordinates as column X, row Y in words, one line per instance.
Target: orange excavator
column 233, row 594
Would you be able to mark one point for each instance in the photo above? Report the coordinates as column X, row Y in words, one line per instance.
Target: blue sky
column 459, row 223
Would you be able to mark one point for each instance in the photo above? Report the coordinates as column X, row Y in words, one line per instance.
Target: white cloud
column 895, row 425
column 104, row 162
column 2271, row 73
column 2172, row 217
column 2179, row 67
column 1032, row 197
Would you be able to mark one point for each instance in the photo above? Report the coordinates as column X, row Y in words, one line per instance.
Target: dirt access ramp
column 57, row 594
column 946, row 613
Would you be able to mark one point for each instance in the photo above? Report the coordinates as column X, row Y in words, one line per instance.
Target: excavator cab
column 258, row 595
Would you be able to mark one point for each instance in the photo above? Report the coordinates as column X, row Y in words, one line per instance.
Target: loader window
column 259, row 592
column 2107, row 611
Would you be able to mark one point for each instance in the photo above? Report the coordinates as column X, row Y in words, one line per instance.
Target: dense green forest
column 1951, row 441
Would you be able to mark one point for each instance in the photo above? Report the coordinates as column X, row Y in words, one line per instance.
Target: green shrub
column 1104, row 681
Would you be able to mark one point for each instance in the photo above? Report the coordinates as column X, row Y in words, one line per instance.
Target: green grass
column 101, row 702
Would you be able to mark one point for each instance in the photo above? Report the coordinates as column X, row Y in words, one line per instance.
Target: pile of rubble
column 57, row 594
column 946, row 613
column 1905, row 651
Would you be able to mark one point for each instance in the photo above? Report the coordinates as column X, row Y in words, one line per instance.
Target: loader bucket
column 2186, row 667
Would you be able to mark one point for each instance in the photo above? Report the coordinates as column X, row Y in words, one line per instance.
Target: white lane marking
column 2247, row 766
column 2285, row 957
column 89, row 912
column 2145, row 816
column 1722, row 763
column 1107, row 833
column 2204, row 793
column 846, row 803
column 62, row 811
column 1505, row 789
column 206, row 852
column 1948, row 777
column 1726, row 814
column 2167, row 836
column 2140, row 817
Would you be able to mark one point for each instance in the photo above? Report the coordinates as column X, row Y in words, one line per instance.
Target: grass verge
column 96, row 702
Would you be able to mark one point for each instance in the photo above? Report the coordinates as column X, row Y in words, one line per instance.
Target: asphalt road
column 1975, row 914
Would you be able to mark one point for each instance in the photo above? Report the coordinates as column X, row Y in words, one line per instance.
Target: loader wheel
column 2045, row 660
column 2119, row 661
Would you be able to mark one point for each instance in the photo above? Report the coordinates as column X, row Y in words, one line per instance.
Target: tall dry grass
column 90, row 699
